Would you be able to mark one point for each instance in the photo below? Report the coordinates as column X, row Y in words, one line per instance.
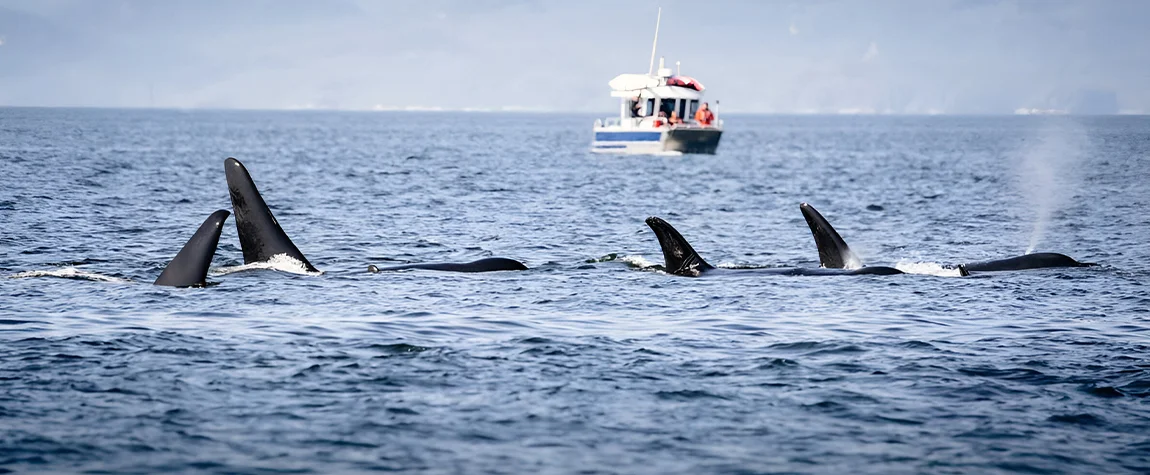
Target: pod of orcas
column 262, row 238
column 835, row 256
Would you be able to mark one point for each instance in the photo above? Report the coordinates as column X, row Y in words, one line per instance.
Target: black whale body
column 261, row 236
column 681, row 259
column 834, row 252
column 490, row 264
column 1038, row 260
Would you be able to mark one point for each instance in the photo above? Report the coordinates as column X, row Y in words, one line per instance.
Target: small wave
column 737, row 266
column 927, row 268
column 607, row 258
column 70, row 273
column 687, row 395
column 638, row 261
column 280, row 262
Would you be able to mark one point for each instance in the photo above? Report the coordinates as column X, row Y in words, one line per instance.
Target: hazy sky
column 914, row 56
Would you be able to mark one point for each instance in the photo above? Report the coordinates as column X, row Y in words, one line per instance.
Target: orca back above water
column 678, row 255
column 681, row 259
column 490, row 264
column 834, row 253
column 1038, row 260
column 190, row 266
column 261, row 236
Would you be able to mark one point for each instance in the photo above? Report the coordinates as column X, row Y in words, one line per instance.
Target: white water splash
column 852, row 262
column 278, row 262
column 1044, row 175
column 638, row 261
column 70, row 273
column 928, row 268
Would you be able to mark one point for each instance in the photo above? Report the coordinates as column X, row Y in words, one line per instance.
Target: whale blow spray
column 1044, row 171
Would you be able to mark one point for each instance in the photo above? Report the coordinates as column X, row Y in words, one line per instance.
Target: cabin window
column 694, row 107
column 650, row 107
column 683, row 109
column 636, row 108
column 667, row 106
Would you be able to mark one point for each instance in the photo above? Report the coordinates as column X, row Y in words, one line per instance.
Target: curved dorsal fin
column 680, row 258
column 190, row 266
column 261, row 236
column 834, row 253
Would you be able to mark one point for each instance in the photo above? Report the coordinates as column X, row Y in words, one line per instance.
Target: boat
column 646, row 104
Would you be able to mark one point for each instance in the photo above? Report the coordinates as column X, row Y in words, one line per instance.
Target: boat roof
column 647, row 86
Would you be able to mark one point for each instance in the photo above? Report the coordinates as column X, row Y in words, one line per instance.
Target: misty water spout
column 1045, row 175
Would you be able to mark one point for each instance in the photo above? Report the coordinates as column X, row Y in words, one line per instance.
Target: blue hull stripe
column 610, row 146
column 627, row 136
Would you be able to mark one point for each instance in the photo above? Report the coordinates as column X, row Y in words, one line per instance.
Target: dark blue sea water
column 593, row 361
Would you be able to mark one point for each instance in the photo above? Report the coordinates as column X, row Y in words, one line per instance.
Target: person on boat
column 674, row 120
column 704, row 116
column 636, row 107
column 661, row 120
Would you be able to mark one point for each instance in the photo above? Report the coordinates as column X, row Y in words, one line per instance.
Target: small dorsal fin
column 834, row 253
column 190, row 266
column 680, row 258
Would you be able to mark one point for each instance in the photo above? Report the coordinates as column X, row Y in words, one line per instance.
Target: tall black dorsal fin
column 190, row 266
column 834, row 253
column 261, row 236
column 680, row 258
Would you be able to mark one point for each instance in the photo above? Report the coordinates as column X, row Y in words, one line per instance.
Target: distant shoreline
column 556, row 112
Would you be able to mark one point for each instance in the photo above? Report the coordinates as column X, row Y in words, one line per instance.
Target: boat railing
column 718, row 124
column 615, row 122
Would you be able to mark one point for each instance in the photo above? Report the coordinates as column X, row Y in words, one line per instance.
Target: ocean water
column 593, row 361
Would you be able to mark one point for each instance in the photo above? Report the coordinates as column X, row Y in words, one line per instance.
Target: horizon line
column 518, row 110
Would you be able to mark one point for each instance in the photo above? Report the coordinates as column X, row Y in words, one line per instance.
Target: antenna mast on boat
column 651, row 67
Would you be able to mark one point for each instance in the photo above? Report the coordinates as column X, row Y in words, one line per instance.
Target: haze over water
column 789, row 56
column 588, row 361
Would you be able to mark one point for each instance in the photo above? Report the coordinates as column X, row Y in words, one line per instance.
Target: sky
column 851, row 56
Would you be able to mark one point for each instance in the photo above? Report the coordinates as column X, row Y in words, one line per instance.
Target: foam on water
column 853, row 263
column 70, row 273
column 638, row 261
column 927, row 268
column 278, row 262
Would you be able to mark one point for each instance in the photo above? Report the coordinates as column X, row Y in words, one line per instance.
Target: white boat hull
column 678, row 140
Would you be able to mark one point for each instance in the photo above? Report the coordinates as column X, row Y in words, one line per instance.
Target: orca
column 834, row 253
column 261, row 236
column 1038, row 260
column 490, row 264
column 190, row 266
column 681, row 259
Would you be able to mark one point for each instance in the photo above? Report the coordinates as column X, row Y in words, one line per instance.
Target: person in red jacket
column 661, row 120
column 704, row 116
